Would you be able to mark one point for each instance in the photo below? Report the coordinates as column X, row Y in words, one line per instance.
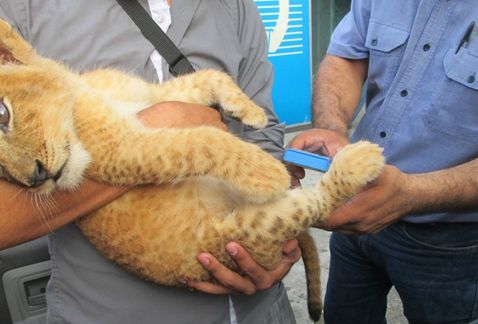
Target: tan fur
column 197, row 188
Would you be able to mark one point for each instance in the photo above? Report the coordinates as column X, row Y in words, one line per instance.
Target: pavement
column 295, row 280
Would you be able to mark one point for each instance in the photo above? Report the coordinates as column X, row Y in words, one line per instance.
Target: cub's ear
column 13, row 48
column 6, row 56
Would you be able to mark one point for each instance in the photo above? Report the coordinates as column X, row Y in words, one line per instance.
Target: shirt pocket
column 384, row 38
column 456, row 113
column 386, row 45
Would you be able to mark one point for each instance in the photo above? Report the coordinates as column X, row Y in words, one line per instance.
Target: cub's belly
column 162, row 228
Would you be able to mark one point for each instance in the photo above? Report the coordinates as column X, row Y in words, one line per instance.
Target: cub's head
column 37, row 136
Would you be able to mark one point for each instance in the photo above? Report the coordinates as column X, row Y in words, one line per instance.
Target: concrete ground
column 295, row 280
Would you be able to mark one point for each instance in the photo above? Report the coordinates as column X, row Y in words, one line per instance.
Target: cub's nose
column 39, row 176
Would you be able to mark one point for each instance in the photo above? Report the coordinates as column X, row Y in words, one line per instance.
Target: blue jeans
column 434, row 268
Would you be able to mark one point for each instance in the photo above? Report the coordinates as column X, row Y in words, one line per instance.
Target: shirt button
column 160, row 19
column 374, row 42
column 404, row 93
column 426, row 47
column 383, row 134
column 471, row 79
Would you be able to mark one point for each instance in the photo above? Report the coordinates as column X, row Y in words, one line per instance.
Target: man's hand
column 255, row 278
column 315, row 140
column 322, row 141
column 383, row 202
column 180, row 115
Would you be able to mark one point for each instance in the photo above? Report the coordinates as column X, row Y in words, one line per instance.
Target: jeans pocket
column 438, row 274
column 444, row 236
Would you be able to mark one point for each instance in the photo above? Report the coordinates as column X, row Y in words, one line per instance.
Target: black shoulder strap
column 178, row 63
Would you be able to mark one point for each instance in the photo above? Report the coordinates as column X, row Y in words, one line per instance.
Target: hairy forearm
column 24, row 216
column 454, row 189
column 337, row 92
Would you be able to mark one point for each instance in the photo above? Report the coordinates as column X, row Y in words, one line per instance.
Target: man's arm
column 396, row 194
column 24, row 216
column 337, row 92
column 453, row 189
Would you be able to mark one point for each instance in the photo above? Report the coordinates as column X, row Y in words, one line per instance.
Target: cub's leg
column 288, row 216
column 209, row 87
column 121, row 86
column 205, row 87
column 168, row 155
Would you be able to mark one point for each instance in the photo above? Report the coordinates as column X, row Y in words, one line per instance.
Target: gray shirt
column 85, row 34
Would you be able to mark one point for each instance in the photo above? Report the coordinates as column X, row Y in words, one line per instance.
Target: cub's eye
column 4, row 116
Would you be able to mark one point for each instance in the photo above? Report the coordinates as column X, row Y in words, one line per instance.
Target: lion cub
column 57, row 127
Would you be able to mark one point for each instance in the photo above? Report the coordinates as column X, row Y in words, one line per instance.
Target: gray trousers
column 280, row 312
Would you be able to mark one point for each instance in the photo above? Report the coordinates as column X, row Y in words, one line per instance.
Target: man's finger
column 226, row 277
column 247, row 264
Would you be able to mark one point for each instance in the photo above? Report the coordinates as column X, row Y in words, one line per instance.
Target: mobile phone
column 307, row 160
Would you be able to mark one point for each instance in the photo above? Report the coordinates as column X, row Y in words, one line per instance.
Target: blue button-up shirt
column 422, row 95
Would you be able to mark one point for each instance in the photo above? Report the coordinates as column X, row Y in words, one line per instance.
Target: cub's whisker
column 44, row 209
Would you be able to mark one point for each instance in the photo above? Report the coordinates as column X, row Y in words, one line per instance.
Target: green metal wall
column 326, row 14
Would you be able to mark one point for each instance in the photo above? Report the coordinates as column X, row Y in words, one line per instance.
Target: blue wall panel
column 287, row 23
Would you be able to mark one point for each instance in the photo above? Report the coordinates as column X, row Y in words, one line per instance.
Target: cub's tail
column 311, row 259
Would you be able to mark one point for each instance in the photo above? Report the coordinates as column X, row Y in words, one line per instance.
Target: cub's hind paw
column 358, row 163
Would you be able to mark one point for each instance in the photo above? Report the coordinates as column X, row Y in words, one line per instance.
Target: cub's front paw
column 262, row 180
column 358, row 163
column 244, row 109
